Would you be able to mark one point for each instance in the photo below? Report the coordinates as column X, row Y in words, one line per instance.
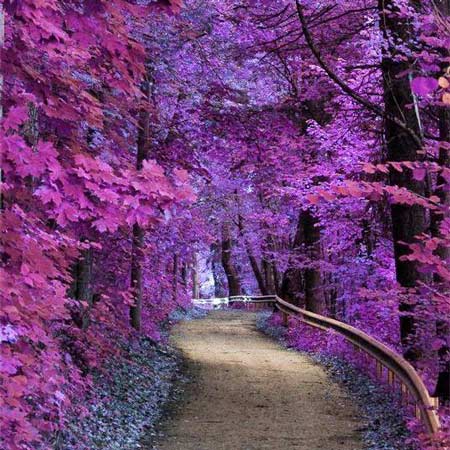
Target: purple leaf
column 424, row 85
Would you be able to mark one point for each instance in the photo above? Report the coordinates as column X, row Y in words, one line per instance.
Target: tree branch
column 345, row 88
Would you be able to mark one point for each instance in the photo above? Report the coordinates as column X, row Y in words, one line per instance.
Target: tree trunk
column 314, row 298
column 441, row 191
column 305, row 283
column 184, row 275
column 407, row 221
column 81, row 288
column 175, row 277
column 216, row 266
column 442, row 327
column 136, row 276
column 292, row 285
column 331, row 296
column 442, row 389
column 262, row 286
column 234, row 283
column 138, row 238
column 195, row 281
column 257, row 272
column 272, row 274
column 276, row 277
column 269, row 277
column 253, row 261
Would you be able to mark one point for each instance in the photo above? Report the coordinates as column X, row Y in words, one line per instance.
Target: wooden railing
column 389, row 364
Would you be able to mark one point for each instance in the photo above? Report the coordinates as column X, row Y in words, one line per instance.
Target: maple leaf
column 313, row 199
column 419, row 173
column 397, row 166
column 15, row 117
column 49, row 195
column 369, row 168
column 424, row 85
column 104, row 225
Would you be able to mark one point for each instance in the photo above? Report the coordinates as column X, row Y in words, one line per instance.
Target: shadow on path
column 249, row 393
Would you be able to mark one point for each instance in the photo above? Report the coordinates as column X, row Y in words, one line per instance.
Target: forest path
column 249, row 393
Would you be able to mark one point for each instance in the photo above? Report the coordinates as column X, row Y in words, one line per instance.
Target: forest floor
column 247, row 392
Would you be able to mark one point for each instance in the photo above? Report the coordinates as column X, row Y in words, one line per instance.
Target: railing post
column 404, row 394
column 391, row 379
column 379, row 370
column 417, row 411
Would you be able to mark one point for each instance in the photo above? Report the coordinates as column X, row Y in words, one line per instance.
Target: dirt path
column 248, row 393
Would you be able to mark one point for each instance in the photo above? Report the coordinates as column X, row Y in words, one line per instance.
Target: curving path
column 249, row 393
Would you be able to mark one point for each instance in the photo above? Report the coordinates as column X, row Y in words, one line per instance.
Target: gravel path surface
column 385, row 427
column 249, row 393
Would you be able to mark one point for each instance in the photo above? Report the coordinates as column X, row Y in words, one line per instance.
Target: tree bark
column 257, row 272
column 138, row 237
column 175, row 277
column 314, row 298
column 269, row 277
column 195, row 280
column 274, row 279
column 216, row 266
column 292, row 286
column 442, row 327
column 252, row 258
column 184, row 276
column 136, row 276
column 304, row 285
column 81, row 288
column 234, row 282
column 408, row 221
column 442, row 389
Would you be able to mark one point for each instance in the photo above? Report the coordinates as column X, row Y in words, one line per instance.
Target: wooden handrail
column 397, row 366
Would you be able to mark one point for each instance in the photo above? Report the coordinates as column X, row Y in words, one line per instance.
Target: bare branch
column 348, row 90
